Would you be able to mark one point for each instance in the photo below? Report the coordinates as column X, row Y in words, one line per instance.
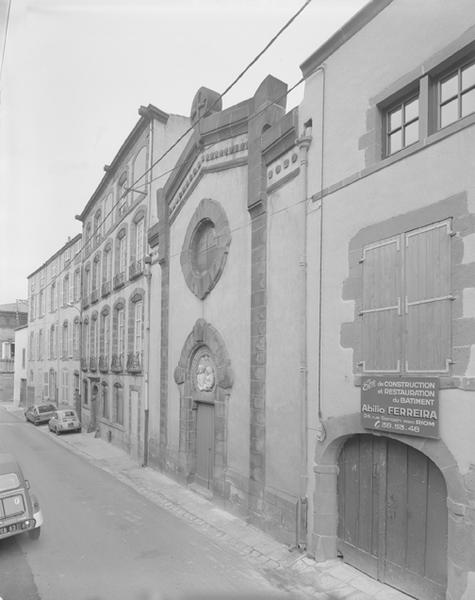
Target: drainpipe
column 148, row 277
column 321, row 433
column 303, row 143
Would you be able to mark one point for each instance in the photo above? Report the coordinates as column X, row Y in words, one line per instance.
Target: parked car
column 19, row 509
column 64, row 420
column 41, row 413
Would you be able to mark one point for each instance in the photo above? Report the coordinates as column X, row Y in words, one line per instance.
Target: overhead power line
column 194, row 124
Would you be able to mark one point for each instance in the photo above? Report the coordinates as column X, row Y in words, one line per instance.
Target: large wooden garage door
column 393, row 515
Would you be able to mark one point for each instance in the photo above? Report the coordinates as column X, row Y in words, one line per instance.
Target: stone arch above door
column 204, row 376
column 324, row 535
column 204, row 334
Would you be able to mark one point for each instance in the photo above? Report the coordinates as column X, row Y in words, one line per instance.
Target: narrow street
column 101, row 540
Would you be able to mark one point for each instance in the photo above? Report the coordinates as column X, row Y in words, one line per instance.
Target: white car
column 64, row 420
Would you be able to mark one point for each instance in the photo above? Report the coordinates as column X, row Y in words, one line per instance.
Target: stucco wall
column 439, row 172
column 21, row 339
column 284, row 327
column 388, row 48
column 226, row 308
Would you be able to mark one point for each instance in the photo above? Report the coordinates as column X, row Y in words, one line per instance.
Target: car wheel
column 35, row 533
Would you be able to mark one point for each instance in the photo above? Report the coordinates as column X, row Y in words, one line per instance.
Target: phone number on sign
column 396, row 426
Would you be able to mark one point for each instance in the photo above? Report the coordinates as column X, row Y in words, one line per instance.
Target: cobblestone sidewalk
column 290, row 570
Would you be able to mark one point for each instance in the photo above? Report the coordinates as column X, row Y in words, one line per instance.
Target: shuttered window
column 381, row 309
column 406, row 302
column 428, row 299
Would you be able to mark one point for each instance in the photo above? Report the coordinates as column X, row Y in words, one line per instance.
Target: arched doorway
column 392, row 507
column 204, row 377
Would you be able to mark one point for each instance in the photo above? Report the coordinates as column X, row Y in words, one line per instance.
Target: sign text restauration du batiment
column 406, row 405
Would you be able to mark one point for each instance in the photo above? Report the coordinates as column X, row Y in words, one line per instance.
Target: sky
column 75, row 73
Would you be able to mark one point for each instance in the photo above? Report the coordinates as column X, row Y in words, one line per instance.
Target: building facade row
column 281, row 312
column 53, row 337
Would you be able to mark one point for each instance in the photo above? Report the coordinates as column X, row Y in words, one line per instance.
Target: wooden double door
column 393, row 515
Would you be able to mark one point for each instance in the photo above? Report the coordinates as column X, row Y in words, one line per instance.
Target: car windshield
column 69, row 413
column 9, row 481
column 45, row 408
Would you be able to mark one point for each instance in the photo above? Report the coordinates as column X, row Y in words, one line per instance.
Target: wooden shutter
column 381, row 307
column 428, row 298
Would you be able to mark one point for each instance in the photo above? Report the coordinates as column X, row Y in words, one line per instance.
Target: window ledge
column 387, row 161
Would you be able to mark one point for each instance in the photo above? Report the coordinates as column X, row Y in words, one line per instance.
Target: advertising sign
column 395, row 404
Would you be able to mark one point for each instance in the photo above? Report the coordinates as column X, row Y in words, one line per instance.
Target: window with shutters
column 407, row 302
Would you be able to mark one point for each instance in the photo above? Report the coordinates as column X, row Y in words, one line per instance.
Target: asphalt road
column 103, row 541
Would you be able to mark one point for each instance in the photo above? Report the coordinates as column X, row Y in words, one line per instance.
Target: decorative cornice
column 221, row 156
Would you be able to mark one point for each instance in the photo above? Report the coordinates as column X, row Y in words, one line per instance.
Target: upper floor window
column 52, row 342
column 402, row 124
column 66, row 290
column 107, row 264
column 406, row 302
column 456, row 94
column 122, row 252
column 88, row 237
column 77, row 284
column 31, row 349
column 65, row 340
column 122, row 191
column 118, row 404
column 139, row 239
column 96, row 270
column 97, row 228
column 53, row 297
column 87, row 280
column 108, row 212
column 76, row 338
column 39, row 354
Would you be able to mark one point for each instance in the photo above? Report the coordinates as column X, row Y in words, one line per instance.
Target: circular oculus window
column 205, row 248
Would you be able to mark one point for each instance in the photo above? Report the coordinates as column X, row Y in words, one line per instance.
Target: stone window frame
column 96, row 273
column 65, row 353
column 87, row 280
column 93, row 332
column 140, row 213
column 76, row 336
column 66, row 289
column 201, row 284
column 85, row 338
column 454, row 208
column 122, row 199
column 424, row 81
column 52, row 298
column 118, row 404
column 119, row 304
column 76, row 285
column 108, row 248
column 105, row 310
column 121, row 233
column 140, row 180
column 97, row 228
column 136, row 296
column 105, row 401
column 53, row 342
